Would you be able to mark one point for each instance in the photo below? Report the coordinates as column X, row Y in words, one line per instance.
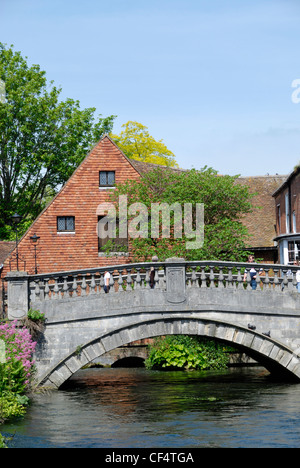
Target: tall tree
column 42, row 139
column 136, row 142
column 225, row 203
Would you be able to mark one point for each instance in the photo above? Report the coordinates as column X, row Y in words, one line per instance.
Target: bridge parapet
column 174, row 276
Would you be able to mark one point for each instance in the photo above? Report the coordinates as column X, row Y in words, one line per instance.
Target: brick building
column 261, row 222
column 67, row 227
column 287, row 205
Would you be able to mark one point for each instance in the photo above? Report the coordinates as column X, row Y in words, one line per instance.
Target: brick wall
column 294, row 201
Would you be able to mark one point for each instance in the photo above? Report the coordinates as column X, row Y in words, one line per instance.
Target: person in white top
column 106, row 281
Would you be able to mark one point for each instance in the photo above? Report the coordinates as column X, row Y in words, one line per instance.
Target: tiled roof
column 287, row 180
column 143, row 168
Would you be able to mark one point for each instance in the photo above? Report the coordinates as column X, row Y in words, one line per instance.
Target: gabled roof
column 73, row 174
column 287, row 180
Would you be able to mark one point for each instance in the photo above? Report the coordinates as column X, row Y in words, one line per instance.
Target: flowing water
column 138, row 408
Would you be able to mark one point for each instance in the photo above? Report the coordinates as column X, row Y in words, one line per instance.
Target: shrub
column 186, row 352
column 12, row 405
column 18, row 364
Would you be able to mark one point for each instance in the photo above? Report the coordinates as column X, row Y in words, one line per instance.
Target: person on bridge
column 253, row 273
column 106, row 281
column 152, row 272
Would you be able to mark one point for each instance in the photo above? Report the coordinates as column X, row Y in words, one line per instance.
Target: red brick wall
column 295, row 199
column 79, row 197
column 280, row 201
column 294, row 187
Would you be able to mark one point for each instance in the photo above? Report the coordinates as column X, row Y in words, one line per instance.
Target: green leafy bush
column 186, row 352
column 12, row 405
column 36, row 315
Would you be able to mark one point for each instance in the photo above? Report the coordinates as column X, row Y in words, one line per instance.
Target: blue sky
column 212, row 78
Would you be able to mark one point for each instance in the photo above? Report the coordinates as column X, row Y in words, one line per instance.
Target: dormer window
column 106, row 179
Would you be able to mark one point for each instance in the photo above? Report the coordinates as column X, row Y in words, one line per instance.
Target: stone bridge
column 209, row 299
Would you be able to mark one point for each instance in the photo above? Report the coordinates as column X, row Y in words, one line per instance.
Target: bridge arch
column 275, row 356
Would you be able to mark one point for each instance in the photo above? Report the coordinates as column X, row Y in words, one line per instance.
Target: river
column 137, row 408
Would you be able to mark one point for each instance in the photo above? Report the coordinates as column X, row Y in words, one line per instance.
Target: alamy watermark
column 2, row 352
column 296, row 93
column 137, row 221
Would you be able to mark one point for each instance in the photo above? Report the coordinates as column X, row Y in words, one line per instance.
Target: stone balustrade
column 198, row 274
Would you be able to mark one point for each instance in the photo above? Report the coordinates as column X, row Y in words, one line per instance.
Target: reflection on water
column 116, row 408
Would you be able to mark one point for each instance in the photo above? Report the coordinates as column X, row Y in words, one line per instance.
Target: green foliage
column 12, row 376
column 42, row 139
column 2, row 442
column 36, row 315
column 136, row 142
column 225, row 204
column 16, row 368
column 186, row 352
column 12, row 405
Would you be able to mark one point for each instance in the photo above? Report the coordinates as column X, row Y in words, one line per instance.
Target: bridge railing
column 128, row 277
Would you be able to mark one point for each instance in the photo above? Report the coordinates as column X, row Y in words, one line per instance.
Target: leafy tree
column 42, row 139
column 225, row 203
column 136, row 142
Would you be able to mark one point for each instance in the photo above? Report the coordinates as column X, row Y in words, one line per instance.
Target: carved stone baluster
column 129, row 282
column 221, row 278
column 266, row 281
column 83, row 286
column 31, row 290
column 101, row 284
column 156, row 279
column 194, row 278
column 47, row 289
column 138, row 280
column 294, row 280
column 65, row 287
column 120, row 282
column 285, row 281
column 229, row 282
column 55, row 294
column 239, row 279
column 212, row 277
column 37, row 291
column 259, row 282
column 142, row 280
column 147, row 279
column 276, row 282
column 112, row 284
column 203, row 278
column 93, row 284
column 290, row 282
column 74, row 286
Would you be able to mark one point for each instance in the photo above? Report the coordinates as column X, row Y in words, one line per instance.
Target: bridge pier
column 17, row 294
